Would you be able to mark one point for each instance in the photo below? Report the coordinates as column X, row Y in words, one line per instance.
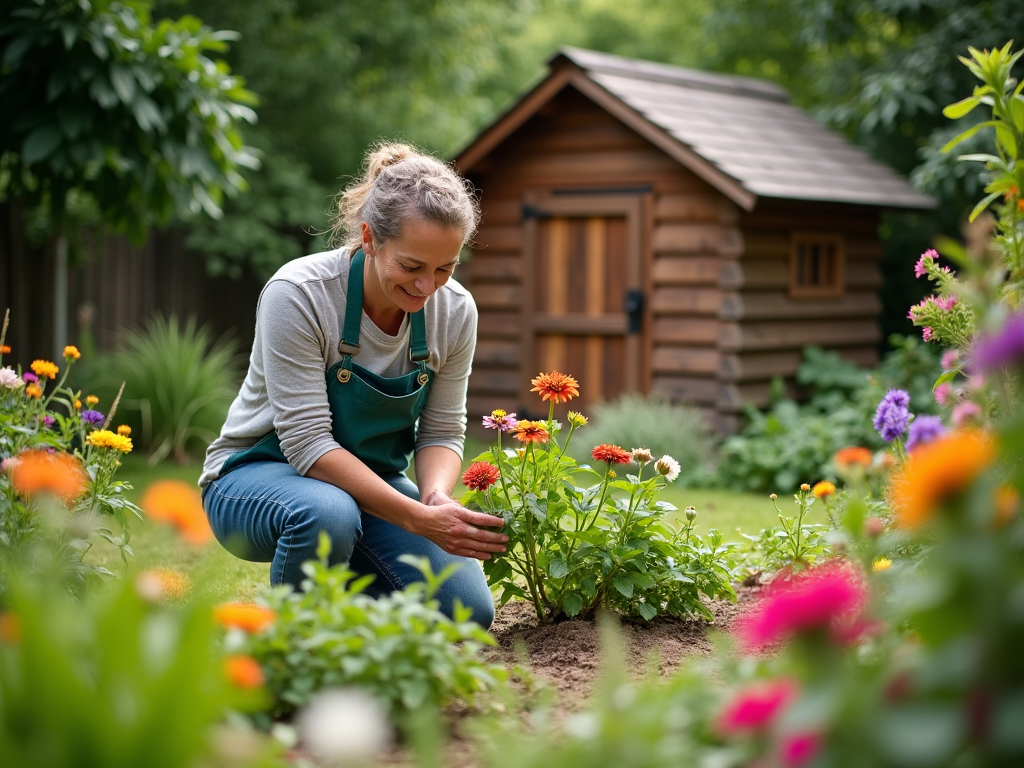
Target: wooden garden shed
column 653, row 229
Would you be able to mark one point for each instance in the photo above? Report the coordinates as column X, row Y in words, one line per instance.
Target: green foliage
column 574, row 549
column 399, row 648
column 792, row 545
column 665, row 427
column 794, row 443
column 102, row 101
column 112, row 681
column 179, row 384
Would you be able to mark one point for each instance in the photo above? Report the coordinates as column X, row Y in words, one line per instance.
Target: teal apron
column 371, row 416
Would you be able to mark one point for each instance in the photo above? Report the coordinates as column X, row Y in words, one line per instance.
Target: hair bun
column 385, row 155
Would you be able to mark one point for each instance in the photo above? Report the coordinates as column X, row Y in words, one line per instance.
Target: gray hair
column 399, row 183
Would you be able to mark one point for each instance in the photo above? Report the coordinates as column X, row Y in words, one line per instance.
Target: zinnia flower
column 94, row 418
column 5, row 350
column 178, row 504
column 249, row 617
column 755, row 707
column 530, row 431
column 480, row 476
column 243, row 671
column 825, row 598
column 556, row 387
column 500, row 420
column 56, row 473
column 823, row 489
column 936, row 471
column 612, row 454
column 45, row 368
column 33, row 390
column 71, row 353
column 104, row 438
column 924, row 429
column 10, row 379
column 642, row 456
column 892, row 415
column 668, row 467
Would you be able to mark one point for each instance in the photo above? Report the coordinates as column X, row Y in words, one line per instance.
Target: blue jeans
column 265, row 511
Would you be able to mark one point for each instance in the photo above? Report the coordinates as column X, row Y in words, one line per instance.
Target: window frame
column 805, row 238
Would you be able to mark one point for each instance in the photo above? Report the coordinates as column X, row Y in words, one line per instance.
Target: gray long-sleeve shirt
column 298, row 325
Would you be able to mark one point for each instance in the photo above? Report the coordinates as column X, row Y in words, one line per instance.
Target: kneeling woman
column 361, row 357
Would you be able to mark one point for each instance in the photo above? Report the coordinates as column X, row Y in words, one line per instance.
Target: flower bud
column 874, row 527
column 576, row 419
column 805, row 487
column 773, row 496
column 691, row 513
column 642, row 456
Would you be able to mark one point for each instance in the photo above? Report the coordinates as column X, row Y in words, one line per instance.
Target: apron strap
column 419, row 353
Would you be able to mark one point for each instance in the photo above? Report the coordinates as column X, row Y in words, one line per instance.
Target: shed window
column 816, row 265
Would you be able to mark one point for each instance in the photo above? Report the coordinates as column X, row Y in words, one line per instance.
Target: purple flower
column 95, row 418
column 31, row 378
column 48, row 421
column 1000, row 349
column 500, row 420
column 892, row 415
column 923, row 430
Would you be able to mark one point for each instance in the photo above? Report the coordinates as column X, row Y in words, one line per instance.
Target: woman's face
column 405, row 271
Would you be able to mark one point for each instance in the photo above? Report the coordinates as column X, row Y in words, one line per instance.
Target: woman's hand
column 459, row 531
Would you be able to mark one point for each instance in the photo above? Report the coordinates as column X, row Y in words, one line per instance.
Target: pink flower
column 926, row 333
column 950, row 358
column 966, row 412
column 926, row 260
column 945, row 303
column 798, row 749
column 754, row 707
column 826, row 598
column 943, row 393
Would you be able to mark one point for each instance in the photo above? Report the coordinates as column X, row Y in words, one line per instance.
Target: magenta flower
column 754, row 707
column 943, row 393
column 945, row 303
column 30, row 377
column 926, row 333
column 500, row 420
column 828, row 598
column 950, row 358
column 965, row 413
column 927, row 259
column 800, row 748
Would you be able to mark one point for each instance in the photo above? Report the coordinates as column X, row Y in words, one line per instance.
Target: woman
column 361, row 357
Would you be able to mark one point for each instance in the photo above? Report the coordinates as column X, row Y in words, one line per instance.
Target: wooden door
column 584, row 312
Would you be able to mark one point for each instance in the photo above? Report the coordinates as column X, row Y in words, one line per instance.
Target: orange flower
column 823, row 489
column 179, row 504
column 10, row 628
column 248, row 616
column 5, row 350
column 243, row 671
column 45, row 368
column 57, row 473
column 71, row 353
column 530, row 432
column 124, row 430
column 853, row 455
column 91, row 400
column 556, row 387
column 1007, row 499
column 938, row 470
column 157, row 584
column 33, row 390
column 480, row 476
column 613, row 454
column 78, row 405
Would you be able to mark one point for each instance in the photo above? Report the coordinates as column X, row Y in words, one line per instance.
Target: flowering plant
column 57, row 465
column 576, row 546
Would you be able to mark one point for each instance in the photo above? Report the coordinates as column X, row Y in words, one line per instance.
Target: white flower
column 642, row 456
column 10, row 379
column 668, row 467
column 344, row 724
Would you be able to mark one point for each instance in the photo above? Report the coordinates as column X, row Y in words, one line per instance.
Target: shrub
column 179, row 385
column 665, row 427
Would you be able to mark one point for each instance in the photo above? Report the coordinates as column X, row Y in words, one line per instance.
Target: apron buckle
column 345, row 348
column 344, row 375
column 422, row 379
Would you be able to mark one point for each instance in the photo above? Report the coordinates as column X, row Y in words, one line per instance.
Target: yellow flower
column 576, row 419
column 805, row 487
column 91, row 400
column 78, row 405
column 71, row 353
column 881, row 564
column 44, row 368
column 822, row 489
column 124, row 430
column 33, row 390
column 104, row 438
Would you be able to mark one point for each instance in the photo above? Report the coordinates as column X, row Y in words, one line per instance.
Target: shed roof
column 740, row 134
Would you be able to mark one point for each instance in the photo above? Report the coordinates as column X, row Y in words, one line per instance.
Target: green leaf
column 961, row 108
column 572, row 604
column 980, row 207
column 945, row 377
column 558, row 568
column 648, row 611
column 624, row 585
column 41, row 143
column 967, row 134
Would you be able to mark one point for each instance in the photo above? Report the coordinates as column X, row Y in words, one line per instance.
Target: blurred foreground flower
column 158, row 584
column 244, row 671
column 57, row 473
column 823, row 489
column 755, row 707
column 249, row 617
column 343, row 725
column 178, row 504
column 1000, row 349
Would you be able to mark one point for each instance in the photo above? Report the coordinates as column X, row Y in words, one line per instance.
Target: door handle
column 633, row 305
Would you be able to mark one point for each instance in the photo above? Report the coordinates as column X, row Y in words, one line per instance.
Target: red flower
column 799, row 749
column 612, row 454
column 530, row 432
column 556, row 386
column 829, row 597
column 480, row 476
column 753, row 708
column 853, row 455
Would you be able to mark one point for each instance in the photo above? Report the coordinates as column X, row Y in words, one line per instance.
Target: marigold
column 45, row 368
column 555, row 386
column 124, row 430
column 530, row 432
column 854, row 455
column 104, row 438
column 56, row 473
column 5, row 350
column 246, row 616
column 33, row 390
column 823, row 489
column 10, row 628
column 480, row 476
column 78, row 404
column 71, row 353
column 938, row 470
column 613, row 454
column 91, row 400
column 178, row 504
column 243, row 671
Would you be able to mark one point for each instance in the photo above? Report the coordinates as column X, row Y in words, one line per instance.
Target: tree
column 100, row 102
